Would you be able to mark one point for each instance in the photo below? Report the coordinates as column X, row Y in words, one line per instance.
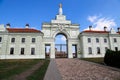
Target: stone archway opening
column 61, row 46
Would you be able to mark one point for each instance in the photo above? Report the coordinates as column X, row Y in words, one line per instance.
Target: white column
column 70, row 55
column 78, row 49
column 43, row 50
column 52, row 50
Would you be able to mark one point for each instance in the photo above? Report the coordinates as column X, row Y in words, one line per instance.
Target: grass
column 9, row 68
column 96, row 60
column 39, row 74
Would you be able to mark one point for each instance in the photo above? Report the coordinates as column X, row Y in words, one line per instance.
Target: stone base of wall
column 22, row 56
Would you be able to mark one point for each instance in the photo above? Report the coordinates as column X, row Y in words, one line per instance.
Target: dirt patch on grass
column 10, row 69
column 24, row 75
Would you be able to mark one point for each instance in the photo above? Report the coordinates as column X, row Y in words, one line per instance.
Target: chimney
column 8, row 25
column 27, row 26
column 90, row 27
column 105, row 28
column 118, row 29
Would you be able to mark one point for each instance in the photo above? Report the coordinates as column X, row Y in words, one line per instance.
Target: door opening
column 74, row 50
column 47, row 50
column 61, row 50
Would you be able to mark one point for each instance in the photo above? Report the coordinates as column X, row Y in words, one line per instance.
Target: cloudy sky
column 98, row 13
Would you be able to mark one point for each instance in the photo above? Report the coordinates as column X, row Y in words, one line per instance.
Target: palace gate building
column 28, row 43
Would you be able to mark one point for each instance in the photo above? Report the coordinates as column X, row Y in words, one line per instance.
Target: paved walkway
column 52, row 72
column 75, row 69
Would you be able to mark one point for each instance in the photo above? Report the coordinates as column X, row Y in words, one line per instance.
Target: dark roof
column 118, row 32
column 94, row 31
column 23, row 30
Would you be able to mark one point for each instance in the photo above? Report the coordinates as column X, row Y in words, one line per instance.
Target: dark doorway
column 74, row 50
column 61, row 50
column 47, row 50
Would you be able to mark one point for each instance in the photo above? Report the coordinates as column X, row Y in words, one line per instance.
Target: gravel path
column 74, row 69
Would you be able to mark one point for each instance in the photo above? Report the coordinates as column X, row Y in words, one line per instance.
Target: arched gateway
column 60, row 26
column 61, row 46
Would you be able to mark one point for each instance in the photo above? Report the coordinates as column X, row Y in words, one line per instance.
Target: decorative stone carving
column 61, row 27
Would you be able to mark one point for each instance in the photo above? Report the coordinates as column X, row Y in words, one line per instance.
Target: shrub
column 112, row 58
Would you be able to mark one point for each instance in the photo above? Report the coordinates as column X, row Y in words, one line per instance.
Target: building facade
column 28, row 43
column 95, row 43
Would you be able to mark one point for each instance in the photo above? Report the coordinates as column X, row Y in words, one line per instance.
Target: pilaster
column 52, row 50
column 70, row 55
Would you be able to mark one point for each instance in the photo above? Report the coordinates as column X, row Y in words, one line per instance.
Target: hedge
column 112, row 58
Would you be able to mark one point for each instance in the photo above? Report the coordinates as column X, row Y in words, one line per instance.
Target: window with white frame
column 89, row 50
column 97, row 40
column 11, row 51
column 32, row 51
column 89, row 40
column 115, row 40
column 22, row 51
column 23, row 40
column 98, row 50
column 12, row 40
column 33, row 40
column 105, row 40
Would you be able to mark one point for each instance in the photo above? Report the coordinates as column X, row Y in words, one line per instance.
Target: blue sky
column 98, row 13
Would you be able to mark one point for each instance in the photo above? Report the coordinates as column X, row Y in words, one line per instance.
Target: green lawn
column 96, row 60
column 9, row 68
column 39, row 74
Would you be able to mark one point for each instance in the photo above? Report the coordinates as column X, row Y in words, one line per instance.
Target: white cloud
column 63, row 38
column 92, row 18
column 98, row 22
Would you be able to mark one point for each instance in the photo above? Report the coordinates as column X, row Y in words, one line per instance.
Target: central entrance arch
column 60, row 26
column 61, row 46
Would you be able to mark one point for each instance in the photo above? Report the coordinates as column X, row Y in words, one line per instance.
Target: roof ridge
column 26, row 30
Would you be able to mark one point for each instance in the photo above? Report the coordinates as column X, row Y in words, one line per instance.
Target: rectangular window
column 0, row 39
column 22, row 51
column 12, row 40
column 116, row 48
column 98, row 50
column 97, row 40
column 32, row 51
column 90, row 50
column 115, row 40
column 106, row 48
column 89, row 40
column 11, row 51
column 33, row 40
column 23, row 40
column 105, row 40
